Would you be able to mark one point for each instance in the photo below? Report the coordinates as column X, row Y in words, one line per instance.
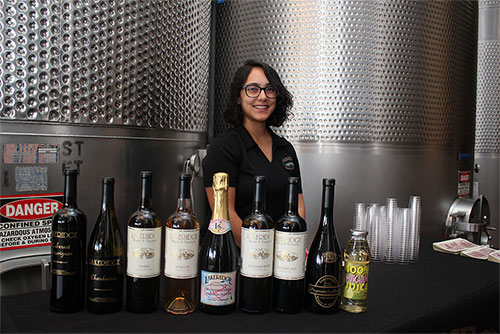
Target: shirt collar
column 249, row 143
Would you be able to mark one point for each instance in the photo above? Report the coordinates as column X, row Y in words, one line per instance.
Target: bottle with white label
column 218, row 256
column 257, row 244
column 144, row 253
column 182, row 233
column 105, row 257
column 289, row 255
column 69, row 235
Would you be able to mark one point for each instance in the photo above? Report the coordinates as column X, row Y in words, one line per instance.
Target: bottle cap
column 70, row 172
column 328, row 182
column 260, row 178
column 146, row 173
column 108, row 180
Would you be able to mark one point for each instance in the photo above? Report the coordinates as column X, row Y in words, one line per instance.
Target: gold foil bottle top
column 220, row 182
column 220, row 211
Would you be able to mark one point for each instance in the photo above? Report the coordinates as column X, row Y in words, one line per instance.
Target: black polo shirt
column 236, row 153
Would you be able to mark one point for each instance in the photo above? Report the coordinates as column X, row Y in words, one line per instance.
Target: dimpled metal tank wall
column 110, row 87
column 384, row 94
column 487, row 146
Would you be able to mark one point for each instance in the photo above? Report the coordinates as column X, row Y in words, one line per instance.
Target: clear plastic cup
column 403, row 256
column 359, row 220
column 415, row 222
column 391, row 206
column 375, row 232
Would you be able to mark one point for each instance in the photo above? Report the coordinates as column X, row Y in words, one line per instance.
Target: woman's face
column 259, row 108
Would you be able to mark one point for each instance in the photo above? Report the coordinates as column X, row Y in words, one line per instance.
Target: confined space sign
column 25, row 220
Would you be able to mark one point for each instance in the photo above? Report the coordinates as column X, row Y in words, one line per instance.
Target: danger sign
column 25, row 220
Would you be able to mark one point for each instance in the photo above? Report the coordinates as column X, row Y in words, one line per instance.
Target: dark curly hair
column 233, row 114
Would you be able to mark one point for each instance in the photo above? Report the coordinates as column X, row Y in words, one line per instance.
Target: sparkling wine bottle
column 324, row 263
column 257, row 243
column 69, row 235
column 182, row 233
column 105, row 257
column 289, row 255
column 144, row 253
column 218, row 256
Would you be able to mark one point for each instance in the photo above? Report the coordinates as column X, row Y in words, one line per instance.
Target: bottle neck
column 70, row 190
column 220, row 205
column 259, row 199
column 292, row 205
column 108, row 195
column 327, row 207
column 146, row 193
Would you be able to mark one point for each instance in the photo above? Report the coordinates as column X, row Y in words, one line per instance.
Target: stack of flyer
column 466, row 248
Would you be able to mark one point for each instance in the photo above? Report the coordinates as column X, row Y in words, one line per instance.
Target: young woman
column 257, row 100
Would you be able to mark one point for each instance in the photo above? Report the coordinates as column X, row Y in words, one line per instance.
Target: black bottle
column 144, row 253
column 69, row 235
column 289, row 255
column 105, row 257
column 218, row 256
column 324, row 263
column 257, row 243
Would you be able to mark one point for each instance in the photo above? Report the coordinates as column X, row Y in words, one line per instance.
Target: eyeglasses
column 254, row 91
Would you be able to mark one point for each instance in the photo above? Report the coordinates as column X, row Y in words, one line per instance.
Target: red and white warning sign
column 464, row 180
column 25, row 220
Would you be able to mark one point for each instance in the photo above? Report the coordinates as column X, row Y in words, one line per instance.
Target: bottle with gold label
column 357, row 264
column 182, row 234
column 144, row 252
column 69, row 235
column 105, row 257
column 218, row 256
column 324, row 264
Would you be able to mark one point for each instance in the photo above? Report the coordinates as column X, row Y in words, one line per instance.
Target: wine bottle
column 144, row 253
column 105, row 257
column 257, row 243
column 324, row 263
column 69, row 235
column 218, row 256
column 182, row 235
column 289, row 255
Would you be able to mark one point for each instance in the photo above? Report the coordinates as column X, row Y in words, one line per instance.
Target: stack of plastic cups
column 359, row 222
column 403, row 256
column 391, row 206
column 374, row 233
column 415, row 219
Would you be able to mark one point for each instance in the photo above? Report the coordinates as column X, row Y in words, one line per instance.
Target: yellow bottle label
column 356, row 280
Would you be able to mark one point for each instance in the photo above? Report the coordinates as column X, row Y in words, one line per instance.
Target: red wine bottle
column 257, row 243
column 289, row 255
column 218, row 256
column 324, row 263
column 69, row 235
column 144, row 253
column 182, row 235
column 105, row 257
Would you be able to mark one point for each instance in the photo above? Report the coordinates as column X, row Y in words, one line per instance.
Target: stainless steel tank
column 108, row 87
column 384, row 95
column 487, row 144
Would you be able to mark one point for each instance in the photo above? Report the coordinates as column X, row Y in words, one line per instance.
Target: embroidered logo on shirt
column 288, row 163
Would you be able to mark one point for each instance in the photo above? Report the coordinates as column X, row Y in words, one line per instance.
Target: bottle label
column 290, row 255
column 218, row 289
column 219, row 226
column 326, row 291
column 181, row 253
column 356, row 280
column 143, row 252
column 105, row 283
column 257, row 252
column 65, row 253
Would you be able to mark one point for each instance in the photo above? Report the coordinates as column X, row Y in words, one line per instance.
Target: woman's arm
column 234, row 219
